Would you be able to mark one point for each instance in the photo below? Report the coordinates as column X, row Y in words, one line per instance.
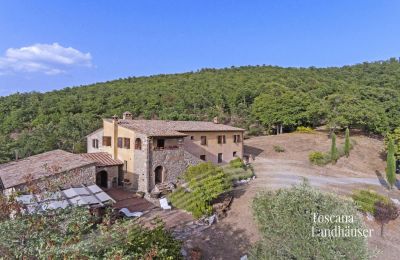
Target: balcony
column 172, row 147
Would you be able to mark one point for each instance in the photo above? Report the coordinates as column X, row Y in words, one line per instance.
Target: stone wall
column 191, row 159
column 112, row 172
column 140, row 174
column 174, row 163
column 83, row 175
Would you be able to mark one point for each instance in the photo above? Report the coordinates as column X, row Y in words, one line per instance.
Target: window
column 236, row 138
column 220, row 158
column 119, row 144
column 192, row 137
column 127, row 143
column 95, row 143
column 234, row 154
column 204, row 140
column 221, row 139
column 138, row 144
column 107, row 140
column 1, row 186
column 203, row 157
column 160, row 143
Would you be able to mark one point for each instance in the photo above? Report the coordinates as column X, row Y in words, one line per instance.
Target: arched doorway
column 138, row 144
column 158, row 175
column 101, row 179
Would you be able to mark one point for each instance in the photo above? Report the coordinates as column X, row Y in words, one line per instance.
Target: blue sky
column 49, row 45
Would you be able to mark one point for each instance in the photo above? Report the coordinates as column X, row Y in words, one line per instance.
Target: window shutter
column 127, row 143
column 107, row 140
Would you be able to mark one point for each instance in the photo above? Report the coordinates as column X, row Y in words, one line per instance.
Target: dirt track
column 233, row 236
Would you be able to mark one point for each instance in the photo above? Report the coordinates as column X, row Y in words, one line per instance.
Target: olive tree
column 287, row 221
column 385, row 212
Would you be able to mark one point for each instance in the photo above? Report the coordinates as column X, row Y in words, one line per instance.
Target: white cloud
column 49, row 59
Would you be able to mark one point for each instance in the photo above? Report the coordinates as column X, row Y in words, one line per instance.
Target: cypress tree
column 391, row 164
column 347, row 143
column 334, row 151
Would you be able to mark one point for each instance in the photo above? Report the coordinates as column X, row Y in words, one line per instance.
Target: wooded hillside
column 365, row 96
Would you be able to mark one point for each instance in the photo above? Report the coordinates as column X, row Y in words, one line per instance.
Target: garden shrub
column 236, row 170
column 279, row 149
column 286, row 222
column 318, row 158
column 237, row 174
column 304, row 129
column 70, row 234
column 366, row 200
column 205, row 182
column 237, row 163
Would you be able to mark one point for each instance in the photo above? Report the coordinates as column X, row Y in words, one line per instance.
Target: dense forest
column 258, row 98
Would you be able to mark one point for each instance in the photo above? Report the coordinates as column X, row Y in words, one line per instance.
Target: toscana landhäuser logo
column 340, row 226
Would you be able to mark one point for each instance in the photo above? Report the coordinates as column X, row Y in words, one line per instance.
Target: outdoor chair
column 130, row 214
column 164, row 204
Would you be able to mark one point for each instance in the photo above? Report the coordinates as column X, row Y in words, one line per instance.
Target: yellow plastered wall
column 122, row 154
column 212, row 148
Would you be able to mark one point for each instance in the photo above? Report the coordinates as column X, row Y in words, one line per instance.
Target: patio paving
column 128, row 199
column 174, row 219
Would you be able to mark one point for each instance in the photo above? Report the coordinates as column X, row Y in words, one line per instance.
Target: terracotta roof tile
column 102, row 159
column 172, row 128
column 14, row 173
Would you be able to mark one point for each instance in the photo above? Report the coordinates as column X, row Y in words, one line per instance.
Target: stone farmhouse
column 158, row 151
column 134, row 154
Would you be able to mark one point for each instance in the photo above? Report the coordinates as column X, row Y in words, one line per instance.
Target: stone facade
column 141, row 163
column 191, row 159
column 78, row 176
column 112, row 175
column 172, row 162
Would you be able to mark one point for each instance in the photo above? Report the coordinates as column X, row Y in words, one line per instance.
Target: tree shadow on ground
column 220, row 241
column 397, row 184
column 251, row 150
column 383, row 155
column 238, row 191
column 381, row 179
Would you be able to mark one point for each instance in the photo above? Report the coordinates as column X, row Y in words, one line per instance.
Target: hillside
column 365, row 96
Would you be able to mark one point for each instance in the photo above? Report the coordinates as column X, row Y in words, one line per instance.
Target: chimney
column 216, row 120
column 115, row 119
column 127, row 116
